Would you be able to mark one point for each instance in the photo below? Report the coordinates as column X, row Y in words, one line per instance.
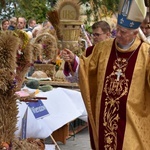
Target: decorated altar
column 18, row 55
column 63, row 106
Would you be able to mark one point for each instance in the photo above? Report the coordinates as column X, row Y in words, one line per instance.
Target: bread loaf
column 39, row 74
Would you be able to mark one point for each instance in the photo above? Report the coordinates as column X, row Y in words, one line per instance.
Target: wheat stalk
column 53, row 17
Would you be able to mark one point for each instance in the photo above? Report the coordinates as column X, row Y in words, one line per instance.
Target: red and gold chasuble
column 115, row 86
column 115, row 91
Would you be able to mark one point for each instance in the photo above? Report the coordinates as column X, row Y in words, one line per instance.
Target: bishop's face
column 125, row 36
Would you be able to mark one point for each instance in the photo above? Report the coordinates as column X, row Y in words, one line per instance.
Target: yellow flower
column 58, row 61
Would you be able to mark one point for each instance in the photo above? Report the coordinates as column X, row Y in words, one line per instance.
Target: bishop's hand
column 68, row 56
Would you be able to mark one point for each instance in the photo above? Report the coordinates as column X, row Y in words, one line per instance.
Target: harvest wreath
column 24, row 57
column 10, row 42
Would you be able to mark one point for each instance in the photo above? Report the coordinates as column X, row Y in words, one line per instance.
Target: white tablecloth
column 63, row 105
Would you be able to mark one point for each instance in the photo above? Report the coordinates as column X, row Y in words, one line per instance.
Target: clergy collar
column 132, row 46
column 125, row 47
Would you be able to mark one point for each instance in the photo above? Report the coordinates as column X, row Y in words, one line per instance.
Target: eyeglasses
column 97, row 34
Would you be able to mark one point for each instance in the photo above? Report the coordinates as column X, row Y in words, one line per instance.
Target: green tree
column 35, row 9
column 26, row 8
column 97, row 5
column 38, row 8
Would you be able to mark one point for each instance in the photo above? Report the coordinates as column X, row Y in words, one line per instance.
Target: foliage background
column 38, row 8
column 26, row 8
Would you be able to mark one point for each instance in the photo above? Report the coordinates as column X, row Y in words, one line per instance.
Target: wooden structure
column 69, row 130
column 70, row 25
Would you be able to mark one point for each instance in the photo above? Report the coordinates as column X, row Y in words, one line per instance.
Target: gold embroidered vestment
column 116, row 93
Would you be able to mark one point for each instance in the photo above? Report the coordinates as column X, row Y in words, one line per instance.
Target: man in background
column 13, row 23
column 21, row 23
column 31, row 25
column 100, row 31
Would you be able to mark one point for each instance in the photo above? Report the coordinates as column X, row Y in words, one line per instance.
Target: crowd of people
column 31, row 26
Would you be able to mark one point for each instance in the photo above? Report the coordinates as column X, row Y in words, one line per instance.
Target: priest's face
column 125, row 36
column 99, row 35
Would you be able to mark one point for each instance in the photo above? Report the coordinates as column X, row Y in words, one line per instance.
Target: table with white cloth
column 63, row 105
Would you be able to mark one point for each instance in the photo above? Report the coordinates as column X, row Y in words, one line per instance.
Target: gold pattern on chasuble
column 116, row 86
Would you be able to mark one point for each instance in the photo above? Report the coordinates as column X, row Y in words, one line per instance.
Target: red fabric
column 66, row 67
column 89, row 50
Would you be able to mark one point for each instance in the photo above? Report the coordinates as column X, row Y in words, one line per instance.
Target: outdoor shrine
column 70, row 25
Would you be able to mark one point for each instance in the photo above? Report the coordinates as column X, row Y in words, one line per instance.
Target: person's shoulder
column 146, row 43
column 145, row 48
column 107, row 42
column 102, row 47
column 110, row 40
